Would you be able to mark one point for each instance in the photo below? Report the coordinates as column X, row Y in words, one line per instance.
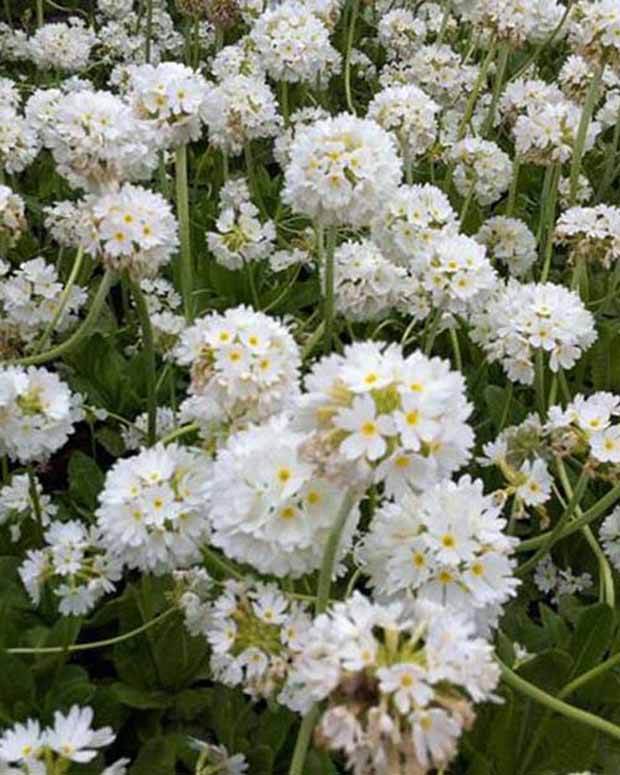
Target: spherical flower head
column 510, row 242
column 410, row 223
column 398, row 688
column 245, row 367
column 62, row 46
column 514, row 23
column 253, row 630
column 610, row 536
column 299, row 121
column 592, row 233
column 522, row 319
column 268, row 507
column 131, row 229
column 12, row 216
column 238, row 110
column 586, row 426
column 595, row 30
column 293, row 44
column 410, row 114
column 366, row 285
column 239, row 58
column 401, row 33
column 446, row 545
column 115, row 9
column 171, row 96
column 374, row 413
column 547, row 132
column 152, row 512
column 18, row 141
column 37, row 413
column 481, row 168
column 97, row 141
column 342, row 170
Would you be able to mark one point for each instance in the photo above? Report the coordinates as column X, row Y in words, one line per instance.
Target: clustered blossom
column 37, row 413
column 591, row 233
column 96, row 140
column 401, row 33
column 610, row 537
column 74, row 564
column 135, row 435
column 481, row 169
column 510, row 242
column 62, row 46
column 293, row 44
column 18, row 141
column 71, row 738
column 244, row 366
column 164, row 304
column 399, row 688
column 12, row 216
column 445, row 545
column 151, row 513
column 268, row 507
column 523, row 319
column 341, row 170
column 29, row 297
column 22, row 500
column 241, row 237
column 374, row 413
column 130, row 228
column 589, row 421
column 253, row 630
column 514, row 22
column 557, row 582
column 238, row 110
column 410, row 114
column 595, row 30
column 171, row 96
column 366, row 284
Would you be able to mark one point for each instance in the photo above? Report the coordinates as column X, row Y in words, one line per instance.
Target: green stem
column 95, row 644
column 473, row 97
column 149, row 352
column 504, row 54
column 40, row 14
column 347, row 56
column 465, row 207
column 178, row 432
column 186, row 269
column 612, row 151
column 303, row 741
column 82, row 332
column 582, row 132
column 550, row 220
column 327, row 244
column 514, row 187
column 558, row 706
column 539, row 370
column 36, row 503
column 284, row 102
column 456, row 349
column 64, row 298
column 149, row 31
column 249, row 269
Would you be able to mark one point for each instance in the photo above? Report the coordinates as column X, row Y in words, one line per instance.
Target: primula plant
column 309, row 387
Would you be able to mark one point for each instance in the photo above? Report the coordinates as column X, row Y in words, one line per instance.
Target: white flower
column 341, row 170
column 19, row 143
column 72, row 735
column 535, row 488
column 520, row 320
column 610, row 536
column 62, row 46
column 513, row 21
column 293, row 43
column 152, row 513
column 17, row 505
column 509, row 241
column 268, row 507
column 37, row 413
column 401, row 32
column 481, row 168
column 592, row 233
column 12, row 216
column 22, row 743
column 238, row 110
column 595, row 30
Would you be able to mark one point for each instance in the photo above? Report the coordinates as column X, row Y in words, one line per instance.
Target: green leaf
column 17, row 689
column 85, row 479
column 156, row 757
column 138, row 698
column 592, row 637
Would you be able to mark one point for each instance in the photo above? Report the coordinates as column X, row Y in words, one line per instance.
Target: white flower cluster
column 163, row 303
column 96, row 140
column 514, row 22
column 293, row 44
column 172, row 96
column 241, row 237
column 253, row 630
column 71, row 738
column 372, row 412
column 481, row 169
column 445, row 545
column 299, row 121
column 17, row 504
column 591, row 418
column 341, row 170
column 610, row 537
column 268, row 507
column 401, row 32
column 410, row 114
column 245, row 366
column 74, row 564
column 135, row 435
column 12, row 217
column 152, row 513
column 130, row 228
column 592, row 233
column 399, row 688
column 366, row 284
column 595, row 30
column 62, row 46
column 557, row 582
column 522, row 319
column 510, row 242
column 37, row 413
column 18, row 140
column 29, row 299
column 238, row 110
column 215, row 758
